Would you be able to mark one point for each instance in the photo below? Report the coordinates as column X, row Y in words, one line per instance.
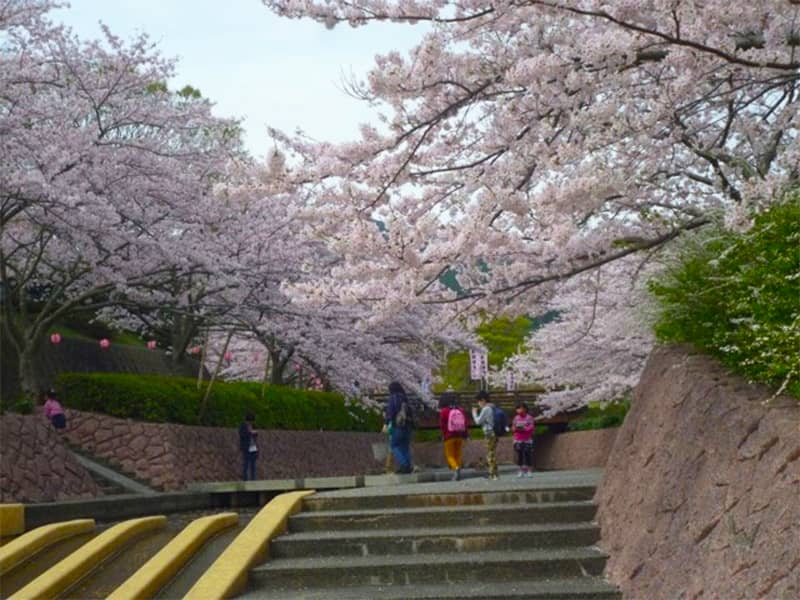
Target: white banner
column 478, row 364
column 511, row 381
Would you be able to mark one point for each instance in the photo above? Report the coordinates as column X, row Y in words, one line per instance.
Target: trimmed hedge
column 162, row 399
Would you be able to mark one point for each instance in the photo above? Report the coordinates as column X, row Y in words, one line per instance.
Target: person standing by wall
column 523, row 427
column 248, row 447
column 53, row 411
column 453, row 425
column 483, row 416
column 399, row 422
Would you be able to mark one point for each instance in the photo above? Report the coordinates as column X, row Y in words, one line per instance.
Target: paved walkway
column 399, row 485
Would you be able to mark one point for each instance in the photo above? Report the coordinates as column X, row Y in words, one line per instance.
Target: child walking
column 522, row 426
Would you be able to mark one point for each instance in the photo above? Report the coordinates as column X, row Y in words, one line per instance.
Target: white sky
column 252, row 64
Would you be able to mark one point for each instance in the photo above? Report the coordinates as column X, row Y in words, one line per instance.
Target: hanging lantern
column 151, row 345
column 228, row 356
column 194, row 350
column 105, row 344
column 55, row 338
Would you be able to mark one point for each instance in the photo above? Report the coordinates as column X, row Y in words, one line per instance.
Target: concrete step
column 417, row 569
column 455, row 516
column 586, row 588
column 432, row 539
column 322, row 502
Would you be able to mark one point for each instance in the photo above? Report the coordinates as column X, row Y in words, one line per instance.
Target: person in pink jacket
column 522, row 427
column 53, row 411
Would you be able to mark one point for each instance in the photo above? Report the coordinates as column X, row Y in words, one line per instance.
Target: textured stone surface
column 575, row 450
column 701, row 497
column 35, row 466
column 171, row 456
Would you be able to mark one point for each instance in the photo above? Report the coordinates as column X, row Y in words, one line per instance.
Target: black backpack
column 404, row 416
column 500, row 422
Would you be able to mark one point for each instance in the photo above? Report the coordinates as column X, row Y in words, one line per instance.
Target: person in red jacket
column 453, row 425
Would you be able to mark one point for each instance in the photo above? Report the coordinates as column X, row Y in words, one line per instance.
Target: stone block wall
column 701, row 495
column 169, row 457
column 35, row 465
column 574, row 450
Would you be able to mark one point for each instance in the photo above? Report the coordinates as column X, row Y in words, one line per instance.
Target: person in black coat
column 247, row 444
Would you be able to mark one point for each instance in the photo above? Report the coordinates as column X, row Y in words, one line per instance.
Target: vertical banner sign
column 425, row 387
column 474, row 365
column 478, row 364
column 511, row 381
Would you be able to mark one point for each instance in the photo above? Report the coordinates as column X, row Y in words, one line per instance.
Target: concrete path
column 419, row 483
column 126, row 484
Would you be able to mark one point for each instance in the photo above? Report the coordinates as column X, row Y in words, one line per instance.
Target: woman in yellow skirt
column 453, row 425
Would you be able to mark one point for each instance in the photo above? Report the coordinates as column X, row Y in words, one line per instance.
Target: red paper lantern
column 228, row 356
column 105, row 344
column 55, row 338
column 151, row 345
column 194, row 350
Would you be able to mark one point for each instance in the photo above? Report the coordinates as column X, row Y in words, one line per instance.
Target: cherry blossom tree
column 292, row 322
column 597, row 347
column 105, row 175
column 524, row 144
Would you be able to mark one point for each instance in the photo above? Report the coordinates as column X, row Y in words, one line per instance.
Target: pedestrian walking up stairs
column 513, row 538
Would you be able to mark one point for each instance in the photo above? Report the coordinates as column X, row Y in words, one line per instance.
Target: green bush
column 737, row 297
column 602, row 415
column 163, row 399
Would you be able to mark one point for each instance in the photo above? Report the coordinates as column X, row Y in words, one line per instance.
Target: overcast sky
column 252, row 64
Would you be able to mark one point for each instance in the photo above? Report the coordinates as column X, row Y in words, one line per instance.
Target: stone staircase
column 507, row 539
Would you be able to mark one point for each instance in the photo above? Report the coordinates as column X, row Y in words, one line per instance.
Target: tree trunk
column 204, row 403
column 27, row 375
column 278, row 365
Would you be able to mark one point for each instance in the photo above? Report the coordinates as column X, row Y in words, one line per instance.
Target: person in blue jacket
column 399, row 422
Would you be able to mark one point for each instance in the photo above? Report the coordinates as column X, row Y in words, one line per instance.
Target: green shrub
column 602, row 415
column 737, row 297
column 163, row 399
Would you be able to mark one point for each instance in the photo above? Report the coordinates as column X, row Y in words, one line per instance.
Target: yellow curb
column 228, row 575
column 157, row 571
column 74, row 567
column 28, row 544
column 12, row 519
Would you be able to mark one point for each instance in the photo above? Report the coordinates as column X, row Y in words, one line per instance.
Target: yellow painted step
column 12, row 519
column 28, row 544
column 160, row 569
column 77, row 565
column 228, row 575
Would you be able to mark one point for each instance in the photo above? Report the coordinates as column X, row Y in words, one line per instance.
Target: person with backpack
column 484, row 417
column 453, row 425
column 399, row 420
column 523, row 426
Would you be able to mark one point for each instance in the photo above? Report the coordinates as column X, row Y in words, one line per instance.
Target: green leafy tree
column 502, row 337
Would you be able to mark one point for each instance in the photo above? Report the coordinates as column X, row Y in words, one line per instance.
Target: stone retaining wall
column 170, row 456
column 35, row 466
column 575, row 450
column 701, row 496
